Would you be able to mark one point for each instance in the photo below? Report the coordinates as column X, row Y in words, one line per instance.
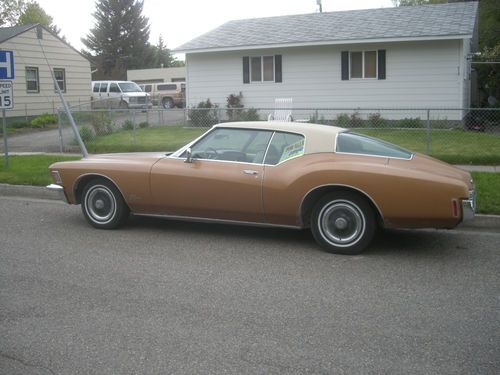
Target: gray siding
column 28, row 52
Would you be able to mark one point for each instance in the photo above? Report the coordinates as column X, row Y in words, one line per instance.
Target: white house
column 36, row 52
column 403, row 57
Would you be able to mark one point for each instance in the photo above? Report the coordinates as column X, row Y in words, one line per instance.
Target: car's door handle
column 250, row 172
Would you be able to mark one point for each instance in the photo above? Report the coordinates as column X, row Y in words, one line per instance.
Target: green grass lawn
column 451, row 146
column 165, row 138
column 29, row 169
column 32, row 170
column 488, row 192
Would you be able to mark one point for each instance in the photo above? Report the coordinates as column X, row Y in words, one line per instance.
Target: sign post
column 6, row 95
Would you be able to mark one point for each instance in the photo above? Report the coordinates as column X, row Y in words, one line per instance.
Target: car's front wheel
column 103, row 205
column 343, row 223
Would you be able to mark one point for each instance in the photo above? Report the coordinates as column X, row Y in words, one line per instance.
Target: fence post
column 59, row 126
column 134, row 140
column 159, row 117
column 26, row 111
column 428, row 133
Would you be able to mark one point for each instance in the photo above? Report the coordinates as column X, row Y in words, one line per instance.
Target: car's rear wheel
column 167, row 103
column 103, row 205
column 343, row 223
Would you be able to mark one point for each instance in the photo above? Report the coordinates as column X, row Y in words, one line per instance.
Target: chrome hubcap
column 100, row 204
column 341, row 223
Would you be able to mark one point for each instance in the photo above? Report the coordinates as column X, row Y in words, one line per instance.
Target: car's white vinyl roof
column 319, row 138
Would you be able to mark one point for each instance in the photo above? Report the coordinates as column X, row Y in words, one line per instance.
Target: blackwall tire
column 103, row 205
column 343, row 223
column 167, row 103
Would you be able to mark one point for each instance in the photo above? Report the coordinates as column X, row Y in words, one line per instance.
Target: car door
column 223, row 180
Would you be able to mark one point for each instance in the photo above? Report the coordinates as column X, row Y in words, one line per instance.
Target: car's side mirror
column 189, row 157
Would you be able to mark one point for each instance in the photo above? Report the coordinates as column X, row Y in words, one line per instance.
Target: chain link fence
column 448, row 134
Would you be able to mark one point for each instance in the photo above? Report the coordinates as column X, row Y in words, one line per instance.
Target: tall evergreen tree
column 163, row 56
column 119, row 40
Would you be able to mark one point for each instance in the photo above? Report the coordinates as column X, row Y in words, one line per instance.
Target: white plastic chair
column 282, row 110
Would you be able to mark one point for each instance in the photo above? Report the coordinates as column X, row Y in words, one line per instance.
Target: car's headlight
column 56, row 177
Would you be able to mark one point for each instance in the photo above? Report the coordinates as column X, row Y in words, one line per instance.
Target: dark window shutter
column 246, row 69
column 381, row 64
column 345, row 65
column 277, row 69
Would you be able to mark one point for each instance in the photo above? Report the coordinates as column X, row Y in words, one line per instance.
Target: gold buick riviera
column 341, row 185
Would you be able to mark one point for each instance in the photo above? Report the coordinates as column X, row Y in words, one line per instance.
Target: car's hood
column 427, row 164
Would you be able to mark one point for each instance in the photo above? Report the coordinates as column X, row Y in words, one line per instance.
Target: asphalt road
column 162, row 297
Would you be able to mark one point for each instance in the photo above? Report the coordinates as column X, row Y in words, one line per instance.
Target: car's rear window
column 352, row 143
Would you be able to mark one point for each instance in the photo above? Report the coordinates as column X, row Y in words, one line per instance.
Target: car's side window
column 242, row 145
column 284, row 146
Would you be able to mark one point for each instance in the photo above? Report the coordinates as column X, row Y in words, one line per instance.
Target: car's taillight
column 455, row 208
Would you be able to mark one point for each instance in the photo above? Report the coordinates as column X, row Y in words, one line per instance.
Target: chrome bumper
column 60, row 191
column 469, row 206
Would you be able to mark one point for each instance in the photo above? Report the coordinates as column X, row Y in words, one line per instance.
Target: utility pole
column 320, row 6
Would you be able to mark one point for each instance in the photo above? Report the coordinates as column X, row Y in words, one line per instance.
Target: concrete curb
column 39, row 192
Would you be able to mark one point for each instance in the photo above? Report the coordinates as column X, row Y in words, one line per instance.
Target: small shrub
column 377, row 121
column 18, row 124
column 234, row 107
column 343, row 120
column 128, row 125
column 410, row 122
column 205, row 114
column 356, row 120
column 102, row 123
column 43, row 120
column 144, row 125
column 86, row 134
column 250, row 114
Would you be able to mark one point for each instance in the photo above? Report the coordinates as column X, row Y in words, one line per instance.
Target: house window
column 32, row 80
column 363, row 64
column 262, row 69
column 60, row 76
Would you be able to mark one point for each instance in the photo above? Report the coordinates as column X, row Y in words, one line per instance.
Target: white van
column 119, row 94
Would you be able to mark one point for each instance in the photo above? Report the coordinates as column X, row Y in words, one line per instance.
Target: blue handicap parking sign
column 6, row 65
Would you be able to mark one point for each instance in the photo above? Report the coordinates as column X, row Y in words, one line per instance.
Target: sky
column 182, row 20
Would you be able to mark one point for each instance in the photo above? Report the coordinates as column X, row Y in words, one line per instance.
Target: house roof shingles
column 440, row 20
column 9, row 32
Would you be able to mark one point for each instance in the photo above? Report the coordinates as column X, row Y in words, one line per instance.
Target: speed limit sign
column 6, row 95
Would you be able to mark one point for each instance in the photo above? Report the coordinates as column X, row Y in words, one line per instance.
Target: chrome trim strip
column 218, row 221
column 59, row 190
column 374, row 156
column 337, row 185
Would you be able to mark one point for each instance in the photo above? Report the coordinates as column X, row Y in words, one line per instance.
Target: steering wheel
column 211, row 153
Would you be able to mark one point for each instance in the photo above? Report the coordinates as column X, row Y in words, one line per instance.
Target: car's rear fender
column 315, row 194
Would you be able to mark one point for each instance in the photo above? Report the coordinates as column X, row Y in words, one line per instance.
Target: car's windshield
column 129, row 87
column 353, row 143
